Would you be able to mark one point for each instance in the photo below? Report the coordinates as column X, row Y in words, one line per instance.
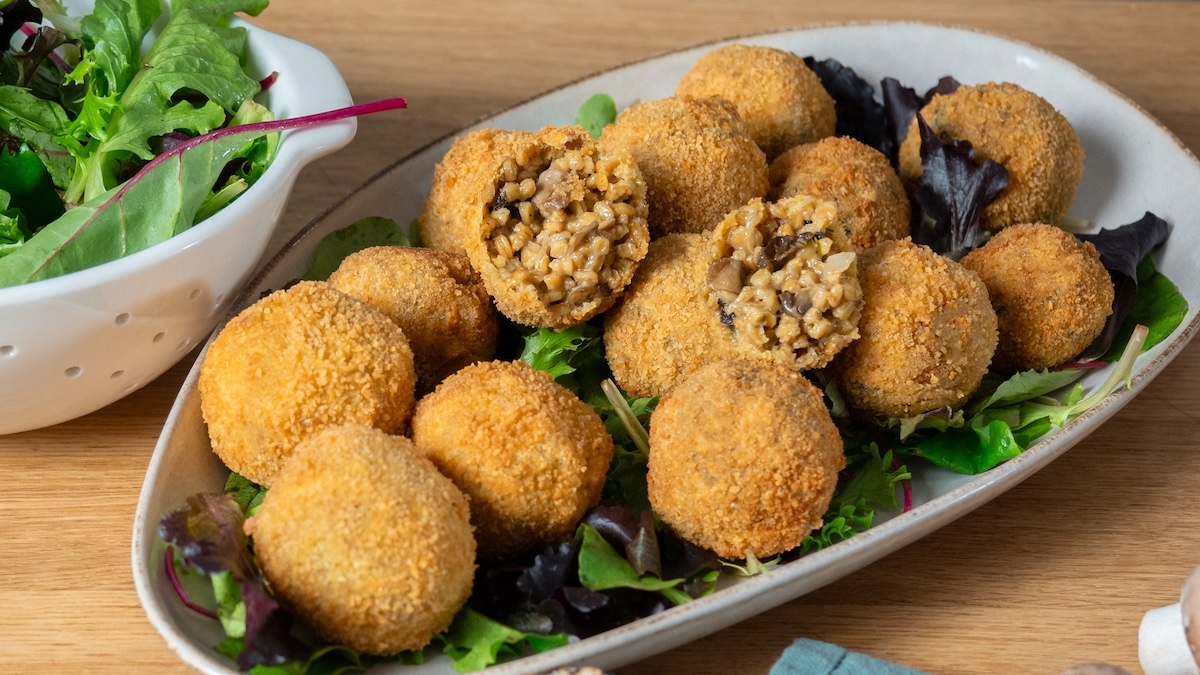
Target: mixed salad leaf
column 88, row 124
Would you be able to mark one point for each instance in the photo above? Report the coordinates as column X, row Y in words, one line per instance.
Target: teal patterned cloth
column 810, row 657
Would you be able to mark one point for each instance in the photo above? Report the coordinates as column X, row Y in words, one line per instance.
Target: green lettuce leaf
column 12, row 232
column 1024, row 386
column 38, row 123
column 475, row 642
column 562, row 352
column 362, row 234
column 193, row 54
column 1159, row 306
column 602, row 568
column 113, row 35
column 248, row 494
column 147, row 210
column 971, row 450
column 596, row 113
column 25, row 179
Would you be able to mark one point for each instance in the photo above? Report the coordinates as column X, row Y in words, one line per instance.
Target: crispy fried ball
column 559, row 228
column 294, row 363
column 457, row 180
column 783, row 280
column 530, row 455
column 927, row 331
column 870, row 199
column 698, row 159
column 1017, row 128
column 1051, row 294
column 744, row 458
column 781, row 100
column 663, row 328
column 363, row 538
column 436, row 299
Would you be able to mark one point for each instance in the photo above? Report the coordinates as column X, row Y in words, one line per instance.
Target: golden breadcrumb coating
column 927, row 332
column 1051, row 294
column 365, row 540
column 1017, row 128
column 870, row 199
column 529, row 454
column 457, row 179
column 784, row 281
column 663, row 329
column 434, row 296
column 697, row 157
column 744, row 458
column 781, row 100
column 294, row 363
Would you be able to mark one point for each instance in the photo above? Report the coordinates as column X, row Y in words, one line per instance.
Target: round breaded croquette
column 784, row 281
column 744, row 458
column 663, row 330
column 559, row 229
column 1017, row 128
column 294, row 363
column 463, row 172
column 870, row 199
column 781, row 100
column 1051, row 294
column 927, row 333
column 435, row 297
column 365, row 540
column 528, row 453
column 698, row 159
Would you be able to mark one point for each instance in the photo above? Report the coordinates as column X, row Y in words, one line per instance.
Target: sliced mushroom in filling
column 783, row 278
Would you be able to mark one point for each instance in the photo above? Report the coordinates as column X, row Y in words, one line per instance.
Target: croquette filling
column 562, row 221
column 782, row 282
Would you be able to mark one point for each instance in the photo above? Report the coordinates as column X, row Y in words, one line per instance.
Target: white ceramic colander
column 73, row 344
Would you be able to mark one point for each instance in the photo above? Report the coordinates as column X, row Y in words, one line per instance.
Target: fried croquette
column 782, row 278
column 457, row 180
column 1051, row 294
column 698, row 159
column 927, row 331
column 744, row 458
column 1020, row 130
column 871, row 203
column 663, row 330
column 561, row 228
column 528, row 453
column 435, row 297
column 294, row 363
column 781, row 100
column 365, row 540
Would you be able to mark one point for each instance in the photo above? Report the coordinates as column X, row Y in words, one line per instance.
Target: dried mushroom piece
column 561, row 229
column 783, row 278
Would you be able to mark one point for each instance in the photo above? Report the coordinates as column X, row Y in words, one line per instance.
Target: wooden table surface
column 1056, row 572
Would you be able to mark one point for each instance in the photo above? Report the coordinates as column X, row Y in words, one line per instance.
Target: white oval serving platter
column 1133, row 165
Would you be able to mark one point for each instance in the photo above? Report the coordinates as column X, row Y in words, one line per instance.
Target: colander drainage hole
column 122, row 318
column 116, row 374
column 73, row 371
column 194, row 294
column 182, row 346
column 158, row 337
column 8, row 351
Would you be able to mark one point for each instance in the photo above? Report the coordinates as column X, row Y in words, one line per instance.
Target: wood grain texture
column 1056, row 572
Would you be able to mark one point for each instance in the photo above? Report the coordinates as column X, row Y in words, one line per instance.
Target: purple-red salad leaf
column 1121, row 250
column 553, row 568
column 859, row 115
column 207, row 530
column 901, row 104
column 13, row 15
column 951, row 193
column 1159, row 306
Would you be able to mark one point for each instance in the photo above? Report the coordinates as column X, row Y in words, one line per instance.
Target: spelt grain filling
column 564, row 219
column 783, row 278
